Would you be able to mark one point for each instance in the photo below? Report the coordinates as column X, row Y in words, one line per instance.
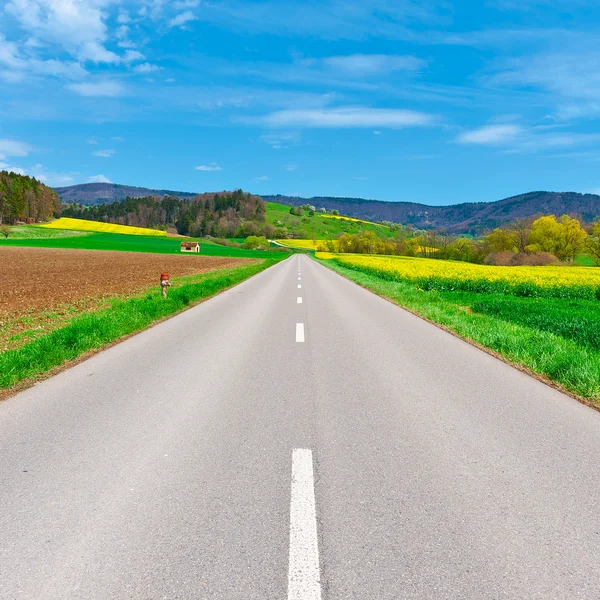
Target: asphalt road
column 215, row 456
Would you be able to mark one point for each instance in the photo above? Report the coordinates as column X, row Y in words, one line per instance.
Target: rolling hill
column 91, row 194
column 473, row 217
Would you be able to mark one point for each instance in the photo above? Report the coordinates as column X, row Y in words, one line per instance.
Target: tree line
column 544, row 240
column 222, row 215
column 24, row 198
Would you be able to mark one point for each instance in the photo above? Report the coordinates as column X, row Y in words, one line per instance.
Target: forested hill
column 473, row 218
column 23, row 198
column 90, row 194
column 458, row 218
column 226, row 214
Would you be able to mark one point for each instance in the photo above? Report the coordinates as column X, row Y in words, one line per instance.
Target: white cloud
column 181, row 19
column 106, row 88
column 490, row 134
column 518, row 139
column 290, row 167
column 261, row 178
column 19, row 65
column 13, row 148
column 146, row 68
column 208, row 168
column 372, row 64
column 8, row 167
column 123, row 17
column 132, row 55
column 348, row 117
column 377, row 132
column 77, row 26
column 98, row 179
column 183, row 4
column 104, row 153
column 93, row 141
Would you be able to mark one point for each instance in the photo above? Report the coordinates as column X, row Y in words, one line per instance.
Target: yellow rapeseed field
column 301, row 244
column 328, row 216
column 83, row 225
column 443, row 275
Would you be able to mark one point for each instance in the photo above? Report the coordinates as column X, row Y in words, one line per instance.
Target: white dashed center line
column 299, row 286
column 299, row 301
column 300, row 332
column 304, row 578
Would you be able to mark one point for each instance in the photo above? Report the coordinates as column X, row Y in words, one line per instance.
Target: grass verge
column 90, row 332
column 522, row 337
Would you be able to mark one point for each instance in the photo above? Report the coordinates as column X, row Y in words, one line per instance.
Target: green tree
column 501, row 240
column 593, row 243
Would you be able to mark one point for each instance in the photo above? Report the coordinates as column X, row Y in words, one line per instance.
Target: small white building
column 190, row 247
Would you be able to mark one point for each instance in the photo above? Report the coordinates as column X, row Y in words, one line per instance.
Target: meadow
column 543, row 319
column 320, row 225
column 34, row 236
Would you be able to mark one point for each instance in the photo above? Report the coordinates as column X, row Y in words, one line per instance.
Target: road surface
column 261, row 447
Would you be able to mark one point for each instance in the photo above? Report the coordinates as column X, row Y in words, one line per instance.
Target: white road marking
column 304, row 578
column 299, row 286
column 300, row 332
column 299, row 278
column 299, row 301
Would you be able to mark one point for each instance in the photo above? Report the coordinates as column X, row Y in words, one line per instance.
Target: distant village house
column 190, row 247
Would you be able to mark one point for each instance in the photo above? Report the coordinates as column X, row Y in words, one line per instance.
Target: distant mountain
column 91, row 194
column 474, row 217
column 469, row 217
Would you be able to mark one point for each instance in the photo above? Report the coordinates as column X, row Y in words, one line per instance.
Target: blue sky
column 433, row 101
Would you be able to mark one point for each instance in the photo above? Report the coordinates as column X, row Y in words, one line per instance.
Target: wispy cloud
column 133, row 55
column 19, row 66
column 348, row 118
column 261, row 178
column 281, row 139
column 13, row 148
column 370, row 64
column 329, row 19
column 208, row 168
column 290, row 167
column 146, row 68
column 519, row 139
column 104, row 153
column 106, row 88
column 182, row 19
column 490, row 134
column 98, row 179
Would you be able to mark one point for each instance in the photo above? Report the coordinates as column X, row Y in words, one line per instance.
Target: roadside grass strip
column 555, row 338
column 93, row 331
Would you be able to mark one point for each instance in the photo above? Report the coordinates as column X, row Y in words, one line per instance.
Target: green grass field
column 35, row 232
column 557, row 338
column 319, row 225
column 30, row 236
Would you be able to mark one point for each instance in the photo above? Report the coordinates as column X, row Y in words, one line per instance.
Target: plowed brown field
column 33, row 279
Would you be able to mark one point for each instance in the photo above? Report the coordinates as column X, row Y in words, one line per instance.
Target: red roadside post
column 164, row 283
